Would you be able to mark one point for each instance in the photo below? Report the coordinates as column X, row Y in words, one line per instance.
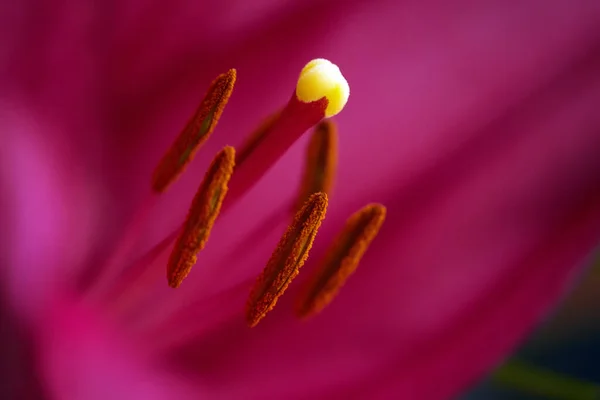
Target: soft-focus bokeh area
column 560, row 361
column 476, row 123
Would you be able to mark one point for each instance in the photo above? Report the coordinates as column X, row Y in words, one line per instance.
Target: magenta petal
column 475, row 123
column 82, row 359
column 468, row 261
column 47, row 209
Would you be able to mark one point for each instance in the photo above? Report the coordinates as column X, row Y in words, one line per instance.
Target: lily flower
column 399, row 249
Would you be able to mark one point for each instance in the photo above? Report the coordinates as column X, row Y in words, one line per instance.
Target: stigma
column 319, row 79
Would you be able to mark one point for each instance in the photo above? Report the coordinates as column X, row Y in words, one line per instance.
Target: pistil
column 321, row 91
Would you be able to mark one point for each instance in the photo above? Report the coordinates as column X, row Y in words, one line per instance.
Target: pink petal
column 82, row 359
column 476, row 124
column 47, row 208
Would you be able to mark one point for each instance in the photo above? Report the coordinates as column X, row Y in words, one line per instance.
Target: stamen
column 321, row 162
column 196, row 132
column 287, row 259
column 201, row 217
column 341, row 260
column 321, row 92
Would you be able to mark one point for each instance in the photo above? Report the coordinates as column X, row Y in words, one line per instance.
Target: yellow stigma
column 321, row 78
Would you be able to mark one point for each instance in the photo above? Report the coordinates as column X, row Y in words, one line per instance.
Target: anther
column 195, row 133
column 202, row 215
column 287, row 259
column 341, row 260
column 321, row 162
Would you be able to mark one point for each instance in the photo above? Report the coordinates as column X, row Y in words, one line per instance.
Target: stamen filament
column 195, row 133
column 201, row 217
column 287, row 259
column 321, row 162
column 341, row 260
column 101, row 286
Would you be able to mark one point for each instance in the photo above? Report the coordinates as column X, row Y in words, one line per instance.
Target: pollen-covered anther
column 201, row 217
column 320, row 79
column 321, row 162
column 287, row 259
column 341, row 260
column 195, row 133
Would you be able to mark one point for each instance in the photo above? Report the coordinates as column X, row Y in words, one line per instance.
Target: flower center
column 321, row 92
